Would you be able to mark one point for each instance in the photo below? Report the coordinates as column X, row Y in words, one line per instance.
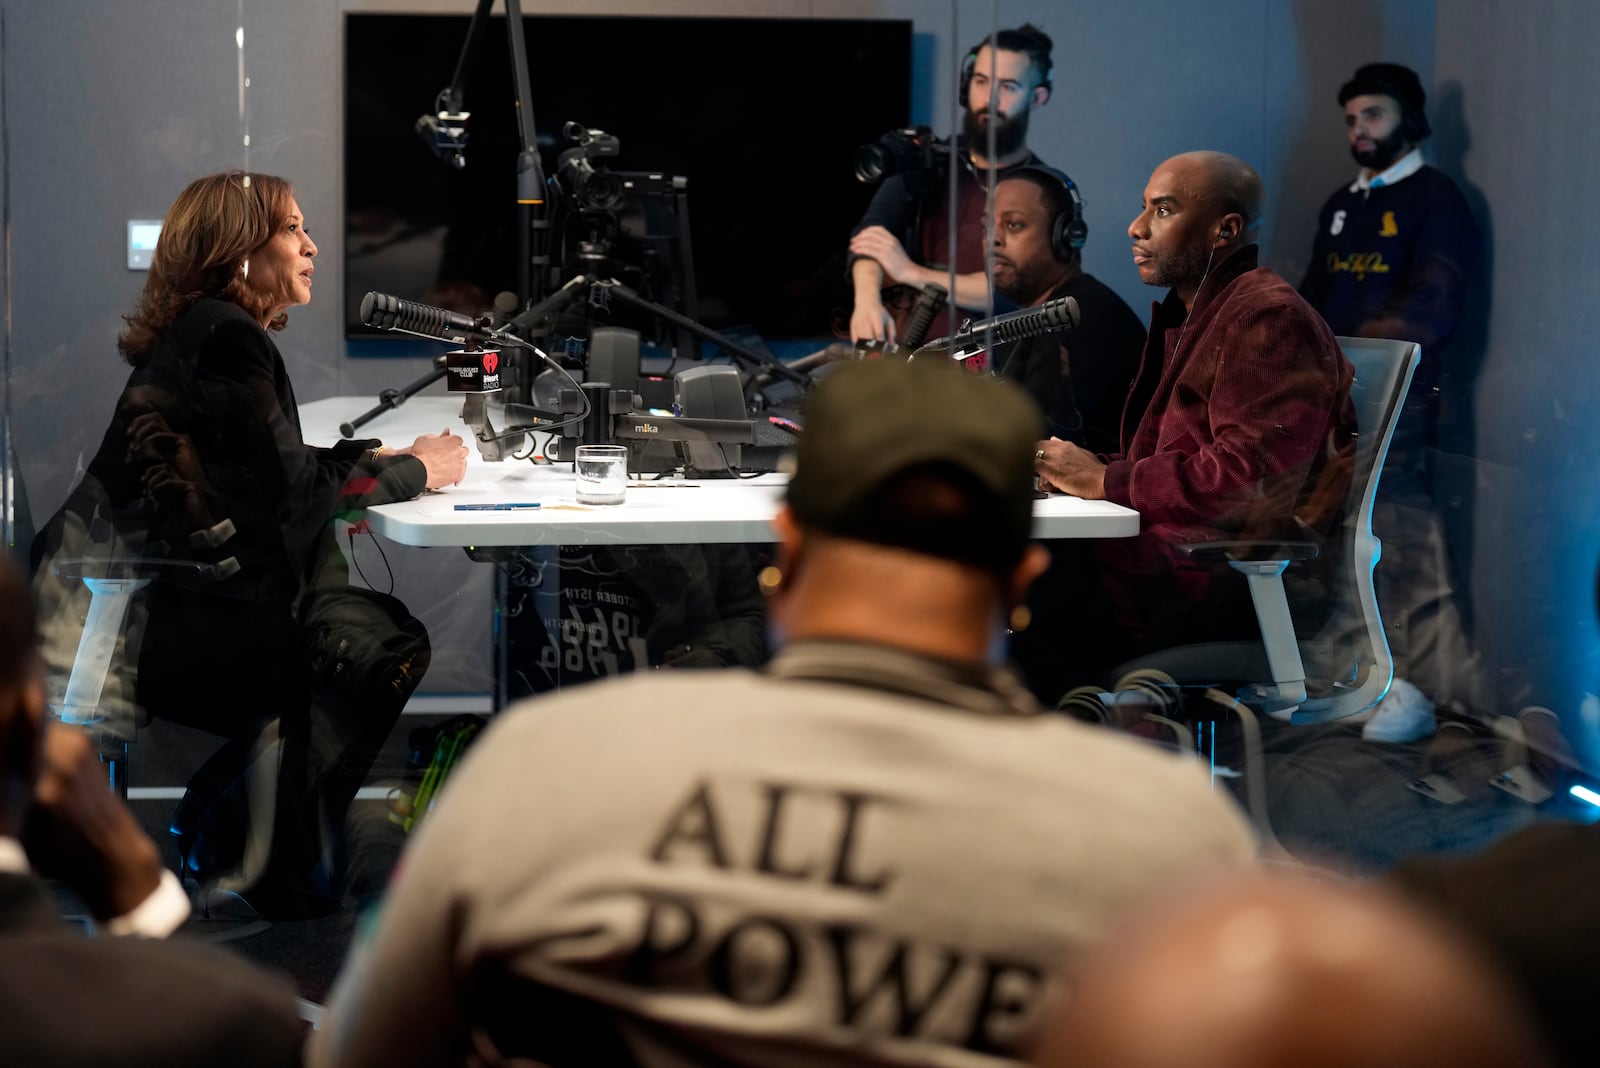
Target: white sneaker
column 1404, row 715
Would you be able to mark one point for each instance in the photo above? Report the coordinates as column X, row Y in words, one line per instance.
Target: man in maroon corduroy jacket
column 1239, row 422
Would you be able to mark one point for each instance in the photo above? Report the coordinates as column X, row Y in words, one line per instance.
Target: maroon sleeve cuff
column 1119, row 475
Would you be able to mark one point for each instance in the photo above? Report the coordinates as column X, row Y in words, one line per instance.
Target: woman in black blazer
column 251, row 628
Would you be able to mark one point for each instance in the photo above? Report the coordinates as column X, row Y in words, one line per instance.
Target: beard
column 1383, row 153
column 1183, row 267
column 1024, row 285
column 1010, row 132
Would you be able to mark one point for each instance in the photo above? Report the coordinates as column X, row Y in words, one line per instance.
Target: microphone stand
column 566, row 294
column 390, row 399
column 533, row 244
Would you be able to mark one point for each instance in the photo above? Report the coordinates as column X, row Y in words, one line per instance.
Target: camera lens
column 602, row 191
column 872, row 163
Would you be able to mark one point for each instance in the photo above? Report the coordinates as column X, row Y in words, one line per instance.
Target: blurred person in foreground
column 875, row 851
column 128, row 998
column 1281, row 972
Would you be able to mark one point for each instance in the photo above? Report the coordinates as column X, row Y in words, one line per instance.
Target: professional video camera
column 632, row 225
column 588, row 188
column 912, row 152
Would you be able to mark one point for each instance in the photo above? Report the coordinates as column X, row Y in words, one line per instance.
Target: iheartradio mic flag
column 472, row 370
column 976, row 362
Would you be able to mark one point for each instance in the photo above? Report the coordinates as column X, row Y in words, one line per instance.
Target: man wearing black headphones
column 1395, row 253
column 1079, row 378
column 905, row 240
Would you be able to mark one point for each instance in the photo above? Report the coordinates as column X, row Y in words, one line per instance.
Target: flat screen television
column 760, row 117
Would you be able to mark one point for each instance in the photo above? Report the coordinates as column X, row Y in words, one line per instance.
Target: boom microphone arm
column 390, row 399
column 613, row 288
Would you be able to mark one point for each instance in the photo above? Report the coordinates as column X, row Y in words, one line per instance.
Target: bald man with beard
column 1279, row 972
column 1238, row 426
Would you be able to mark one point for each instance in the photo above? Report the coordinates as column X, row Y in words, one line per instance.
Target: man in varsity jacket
column 1395, row 248
column 1395, row 253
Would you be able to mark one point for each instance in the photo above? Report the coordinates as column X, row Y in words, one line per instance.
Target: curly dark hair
column 206, row 239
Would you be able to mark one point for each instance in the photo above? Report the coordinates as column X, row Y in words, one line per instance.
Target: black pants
column 326, row 688
column 1075, row 638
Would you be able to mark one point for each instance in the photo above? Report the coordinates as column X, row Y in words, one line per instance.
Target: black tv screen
column 760, row 117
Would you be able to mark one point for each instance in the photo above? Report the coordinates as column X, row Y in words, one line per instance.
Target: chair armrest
column 124, row 568
column 1217, row 551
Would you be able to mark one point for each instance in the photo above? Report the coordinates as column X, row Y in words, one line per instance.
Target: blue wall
column 1518, row 85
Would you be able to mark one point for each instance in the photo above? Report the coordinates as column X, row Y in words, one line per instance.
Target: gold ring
column 1038, row 454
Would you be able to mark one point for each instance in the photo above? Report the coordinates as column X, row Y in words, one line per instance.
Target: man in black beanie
column 1395, row 253
column 1396, row 247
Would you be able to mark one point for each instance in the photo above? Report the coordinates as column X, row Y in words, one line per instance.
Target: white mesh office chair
column 1346, row 667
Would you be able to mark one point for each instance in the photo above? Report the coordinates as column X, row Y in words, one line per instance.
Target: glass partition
column 284, row 633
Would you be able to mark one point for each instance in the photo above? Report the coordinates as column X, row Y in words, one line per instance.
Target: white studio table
column 671, row 511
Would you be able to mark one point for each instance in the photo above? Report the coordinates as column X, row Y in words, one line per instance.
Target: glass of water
column 602, row 473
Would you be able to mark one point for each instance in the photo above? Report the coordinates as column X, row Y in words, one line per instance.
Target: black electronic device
column 631, row 225
column 913, row 152
column 614, row 357
column 445, row 132
column 611, row 418
column 713, row 392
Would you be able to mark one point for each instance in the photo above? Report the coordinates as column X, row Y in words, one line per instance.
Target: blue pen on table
column 499, row 506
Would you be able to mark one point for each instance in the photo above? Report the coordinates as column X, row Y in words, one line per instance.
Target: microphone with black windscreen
column 970, row 346
column 386, row 312
column 1050, row 317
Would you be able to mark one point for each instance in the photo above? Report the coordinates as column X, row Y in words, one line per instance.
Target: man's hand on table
column 1066, row 467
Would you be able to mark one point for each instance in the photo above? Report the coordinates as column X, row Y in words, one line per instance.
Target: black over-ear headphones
column 1068, row 232
column 970, row 64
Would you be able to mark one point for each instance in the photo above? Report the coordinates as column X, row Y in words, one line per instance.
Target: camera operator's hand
column 870, row 321
column 444, row 455
column 879, row 244
column 78, row 831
